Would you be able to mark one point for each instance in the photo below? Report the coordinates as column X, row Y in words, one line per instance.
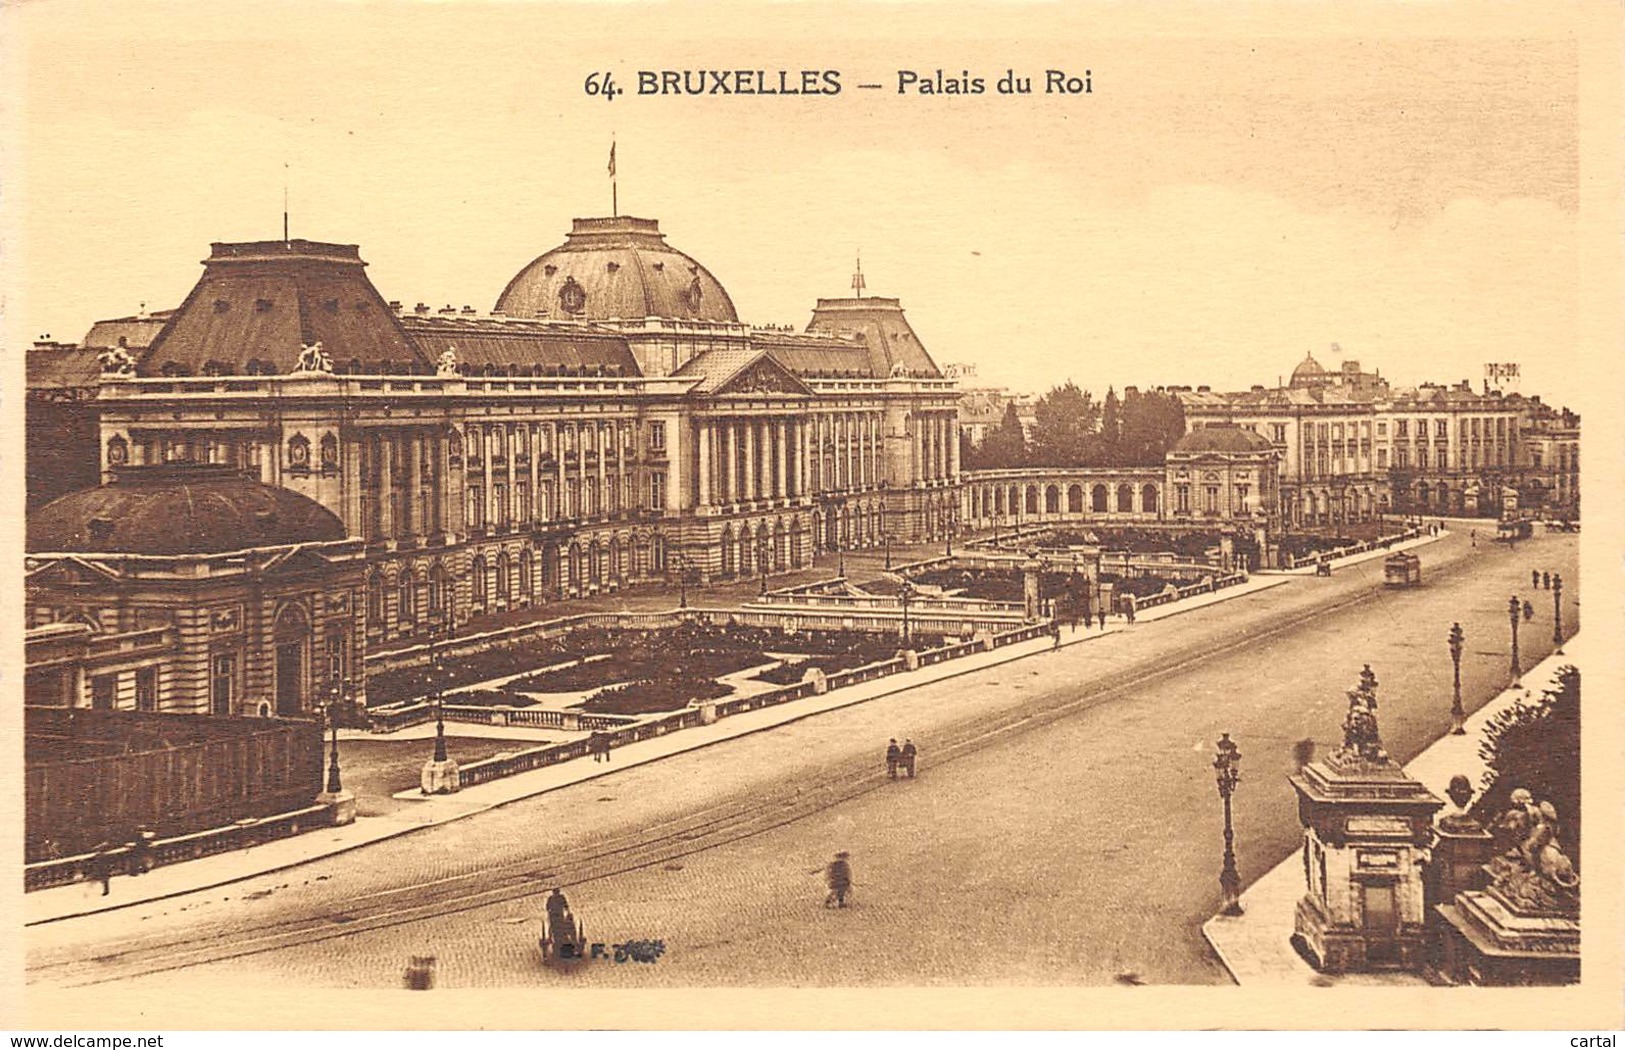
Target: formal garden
column 633, row 672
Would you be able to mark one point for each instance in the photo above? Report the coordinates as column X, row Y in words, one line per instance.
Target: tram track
column 714, row 826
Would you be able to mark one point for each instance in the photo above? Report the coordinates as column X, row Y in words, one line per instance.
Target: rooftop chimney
column 421, row 309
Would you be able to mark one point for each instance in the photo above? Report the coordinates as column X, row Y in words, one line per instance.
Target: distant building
column 1353, row 447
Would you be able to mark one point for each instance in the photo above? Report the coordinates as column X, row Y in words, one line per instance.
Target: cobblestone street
column 1074, row 850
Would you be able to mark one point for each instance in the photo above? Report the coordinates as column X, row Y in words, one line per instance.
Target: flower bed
column 489, row 698
column 667, row 693
column 791, row 671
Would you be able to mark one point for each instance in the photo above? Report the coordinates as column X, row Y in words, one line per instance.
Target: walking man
column 839, row 877
column 1534, row 577
column 1528, row 611
column 101, row 868
column 1102, row 616
column 1546, row 581
column 1055, row 635
column 1129, row 610
column 893, row 755
column 910, row 752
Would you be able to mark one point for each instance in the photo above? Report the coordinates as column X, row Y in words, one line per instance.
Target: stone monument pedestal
column 1488, row 938
column 440, row 778
column 1366, row 831
column 341, row 806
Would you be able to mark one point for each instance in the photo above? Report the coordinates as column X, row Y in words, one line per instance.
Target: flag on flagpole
column 612, row 160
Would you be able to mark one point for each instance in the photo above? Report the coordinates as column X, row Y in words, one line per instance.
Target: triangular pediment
column 763, row 375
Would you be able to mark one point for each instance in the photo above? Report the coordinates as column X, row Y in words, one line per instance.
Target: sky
column 1227, row 199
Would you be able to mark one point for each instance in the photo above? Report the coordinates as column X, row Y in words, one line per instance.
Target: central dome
column 620, row 268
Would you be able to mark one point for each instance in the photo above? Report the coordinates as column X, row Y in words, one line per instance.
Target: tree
column 1537, row 746
column 1064, row 425
column 1111, row 430
column 1006, row 444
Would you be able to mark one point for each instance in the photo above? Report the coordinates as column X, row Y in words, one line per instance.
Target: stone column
column 726, row 446
column 703, row 458
column 350, row 497
column 533, row 512
column 750, row 491
column 603, row 466
column 412, row 518
column 953, row 447
column 849, row 480
column 801, row 458
column 780, row 477
column 559, row 487
column 624, row 495
column 386, row 485
column 486, row 502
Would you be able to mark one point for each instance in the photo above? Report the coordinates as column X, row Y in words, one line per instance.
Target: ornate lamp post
column 1457, row 715
column 682, row 581
column 1228, row 776
column 952, row 523
column 1514, row 612
column 885, row 540
column 1557, row 612
column 436, row 680
column 904, row 594
column 334, row 783
column 840, row 559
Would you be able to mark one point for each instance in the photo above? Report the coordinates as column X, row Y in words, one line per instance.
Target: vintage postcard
column 812, row 516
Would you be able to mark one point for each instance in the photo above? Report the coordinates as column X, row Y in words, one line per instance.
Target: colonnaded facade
column 610, row 422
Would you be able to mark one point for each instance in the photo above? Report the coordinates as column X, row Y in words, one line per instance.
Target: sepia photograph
column 888, row 516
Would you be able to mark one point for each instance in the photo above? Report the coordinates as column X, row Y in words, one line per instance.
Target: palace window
column 222, row 682
column 1441, row 428
column 657, row 436
column 146, row 689
column 499, row 506
column 522, row 508
column 476, row 507
column 1182, row 499
column 104, row 692
column 1278, row 433
column 657, row 491
column 1402, row 428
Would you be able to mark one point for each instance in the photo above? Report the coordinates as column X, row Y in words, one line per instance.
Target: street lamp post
column 334, row 783
column 1557, row 612
column 905, row 593
column 885, row 540
column 682, row 581
column 1457, row 715
column 1514, row 612
column 436, row 669
column 950, row 533
column 1227, row 777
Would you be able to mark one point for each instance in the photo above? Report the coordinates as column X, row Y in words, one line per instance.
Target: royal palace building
column 610, row 422
column 1353, row 447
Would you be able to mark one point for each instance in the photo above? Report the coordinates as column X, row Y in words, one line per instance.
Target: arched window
column 1052, row 500
column 504, row 585
column 437, row 590
column 478, row 581
column 659, row 555
column 1097, row 499
column 375, row 599
column 1074, row 499
column 1125, row 498
column 1032, row 499
column 1148, row 499
column 526, row 582
column 404, row 605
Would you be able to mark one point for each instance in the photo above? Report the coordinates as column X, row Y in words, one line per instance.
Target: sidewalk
column 84, row 898
column 1355, row 559
column 1255, row 946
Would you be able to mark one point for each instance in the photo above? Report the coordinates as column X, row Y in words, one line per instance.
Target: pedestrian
column 1473, row 536
column 101, row 867
column 894, row 754
column 604, row 741
column 839, row 877
column 593, row 747
column 1534, row 577
column 1129, row 611
column 1102, row 616
column 1055, row 635
column 910, row 753
column 1546, row 581
column 1528, row 611
column 141, row 851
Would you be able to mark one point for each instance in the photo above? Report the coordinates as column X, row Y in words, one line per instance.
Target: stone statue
column 1532, row 871
column 1460, row 794
column 1362, row 740
column 116, row 361
column 312, row 358
column 446, row 365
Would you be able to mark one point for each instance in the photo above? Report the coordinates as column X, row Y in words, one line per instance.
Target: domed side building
column 611, row 424
column 190, row 588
